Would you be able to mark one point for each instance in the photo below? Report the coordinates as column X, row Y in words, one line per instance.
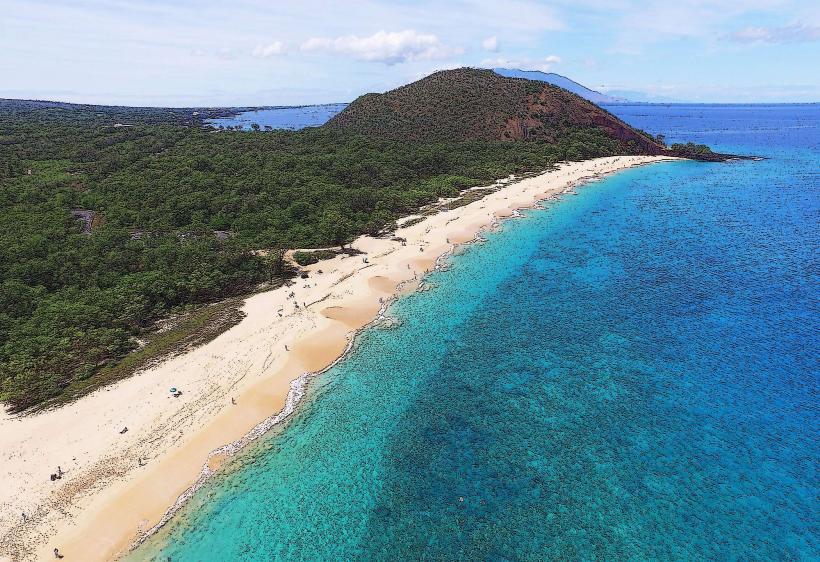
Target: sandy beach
column 116, row 486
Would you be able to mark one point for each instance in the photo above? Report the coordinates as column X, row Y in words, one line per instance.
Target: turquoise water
column 628, row 374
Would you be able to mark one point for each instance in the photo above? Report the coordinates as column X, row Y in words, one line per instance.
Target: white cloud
column 388, row 47
column 783, row 34
column 543, row 64
column 108, row 55
column 644, row 23
column 269, row 50
column 490, row 44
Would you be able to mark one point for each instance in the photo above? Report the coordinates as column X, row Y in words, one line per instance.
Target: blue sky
column 255, row 52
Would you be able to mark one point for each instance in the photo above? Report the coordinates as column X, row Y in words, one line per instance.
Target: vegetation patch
column 308, row 258
column 467, row 197
column 691, row 149
column 411, row 222
column 170, row 337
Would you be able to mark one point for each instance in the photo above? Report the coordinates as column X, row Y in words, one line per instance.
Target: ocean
column 629, row 373
column 291, row 118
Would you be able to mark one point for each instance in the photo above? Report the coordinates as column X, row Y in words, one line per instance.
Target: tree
column 275, row 262
column 335, row 228
column 379, row 219
column 275, row 257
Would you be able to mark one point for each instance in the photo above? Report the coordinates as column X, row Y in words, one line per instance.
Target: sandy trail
column 106, row 499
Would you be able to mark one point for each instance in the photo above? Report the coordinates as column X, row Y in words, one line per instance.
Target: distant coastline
column 277, row 117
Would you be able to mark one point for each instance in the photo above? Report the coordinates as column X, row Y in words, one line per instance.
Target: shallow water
column 292, row 118
column 630, row 373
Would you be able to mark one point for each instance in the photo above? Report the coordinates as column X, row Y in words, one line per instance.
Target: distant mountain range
column 561, row 82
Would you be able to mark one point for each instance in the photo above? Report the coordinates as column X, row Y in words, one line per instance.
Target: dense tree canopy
column 104, row 229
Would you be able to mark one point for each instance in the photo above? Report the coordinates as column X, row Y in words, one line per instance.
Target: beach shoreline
column 110, row 498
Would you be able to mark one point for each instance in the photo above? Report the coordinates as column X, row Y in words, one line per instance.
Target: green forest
column 107, row 229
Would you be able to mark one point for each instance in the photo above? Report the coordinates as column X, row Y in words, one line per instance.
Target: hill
column 470, row 104
column 562, row 82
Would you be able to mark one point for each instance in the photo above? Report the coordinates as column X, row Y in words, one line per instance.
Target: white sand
column 105, row 500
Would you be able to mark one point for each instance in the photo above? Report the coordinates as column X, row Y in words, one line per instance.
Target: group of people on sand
column 55, row 476
column 58, row 475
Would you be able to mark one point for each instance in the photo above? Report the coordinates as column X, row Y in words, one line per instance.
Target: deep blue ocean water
column 292, row 118
column 630, row 373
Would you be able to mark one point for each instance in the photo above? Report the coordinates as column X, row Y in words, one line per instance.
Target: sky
column 256, row 52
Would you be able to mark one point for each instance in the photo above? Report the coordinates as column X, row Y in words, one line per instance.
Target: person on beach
column 57, row 553
column 233, row 400
column 25, row 518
